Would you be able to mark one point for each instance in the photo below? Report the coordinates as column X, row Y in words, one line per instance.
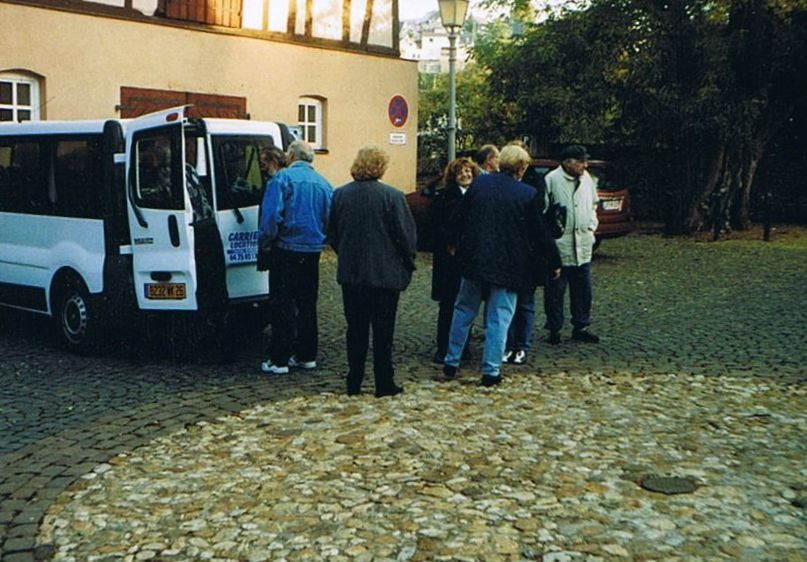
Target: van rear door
column 160, row 213
column 239, row 184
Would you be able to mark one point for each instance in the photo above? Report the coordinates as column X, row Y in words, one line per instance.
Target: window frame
column 15, row 79
column 318, row 103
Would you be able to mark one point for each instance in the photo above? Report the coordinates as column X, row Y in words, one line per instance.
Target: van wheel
column 75, row 316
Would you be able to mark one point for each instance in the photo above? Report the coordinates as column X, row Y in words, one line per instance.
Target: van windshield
column 238, row 174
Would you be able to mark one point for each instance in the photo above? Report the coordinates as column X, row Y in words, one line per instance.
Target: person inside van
column 154, row 175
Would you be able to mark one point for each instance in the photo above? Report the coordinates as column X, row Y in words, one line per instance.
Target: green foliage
column 703, row 83
column 480, row 120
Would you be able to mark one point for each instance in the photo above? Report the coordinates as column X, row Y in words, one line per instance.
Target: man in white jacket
column 571, row 186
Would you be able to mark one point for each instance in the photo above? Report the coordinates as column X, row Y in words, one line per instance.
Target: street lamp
column 452, row 14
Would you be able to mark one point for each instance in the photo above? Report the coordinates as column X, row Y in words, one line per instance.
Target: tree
column 481, row 117
column 704, row 84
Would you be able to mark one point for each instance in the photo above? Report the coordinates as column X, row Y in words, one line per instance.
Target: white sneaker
column 305, row 365
column 507, row 357
column 520, row 357
column 268, row 367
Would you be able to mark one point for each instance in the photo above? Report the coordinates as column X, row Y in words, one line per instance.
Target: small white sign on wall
column 397, row 138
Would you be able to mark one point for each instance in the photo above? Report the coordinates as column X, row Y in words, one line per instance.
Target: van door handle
column 173, row 230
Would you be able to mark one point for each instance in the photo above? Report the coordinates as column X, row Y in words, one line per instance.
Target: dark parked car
column 614, row 208
column 420, row 201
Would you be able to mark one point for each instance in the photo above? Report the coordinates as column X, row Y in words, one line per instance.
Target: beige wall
column 86, row 59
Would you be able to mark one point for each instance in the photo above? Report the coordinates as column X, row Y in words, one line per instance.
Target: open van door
column 160, row 212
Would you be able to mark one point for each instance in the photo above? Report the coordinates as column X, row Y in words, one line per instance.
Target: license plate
column 612, row 205
column 165, row 291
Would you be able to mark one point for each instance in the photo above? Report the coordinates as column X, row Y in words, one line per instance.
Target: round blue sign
column 398, row 111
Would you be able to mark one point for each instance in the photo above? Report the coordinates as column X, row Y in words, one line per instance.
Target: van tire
column 75, row 316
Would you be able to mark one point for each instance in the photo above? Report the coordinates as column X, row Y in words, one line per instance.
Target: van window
column 159, row 180
column 239, row 178
column 75, row 190
column 23, row 186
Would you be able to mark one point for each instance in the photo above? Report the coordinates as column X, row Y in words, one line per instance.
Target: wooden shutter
column 139, row 101
column 226, row 13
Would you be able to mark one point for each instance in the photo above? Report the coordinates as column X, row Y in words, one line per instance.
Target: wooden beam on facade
column 291, row 26
column 396, row 26
column 309, row 18
column 365, row 28
column 346, row 21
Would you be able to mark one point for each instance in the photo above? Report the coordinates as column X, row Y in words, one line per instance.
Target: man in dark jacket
column 373, row 233
column 502, row 247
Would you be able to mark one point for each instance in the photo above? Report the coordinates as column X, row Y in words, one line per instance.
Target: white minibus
column 159, row 214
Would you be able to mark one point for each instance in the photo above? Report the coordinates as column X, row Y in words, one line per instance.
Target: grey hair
column 301, row 150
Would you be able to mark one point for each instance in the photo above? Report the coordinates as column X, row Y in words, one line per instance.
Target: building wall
column 85, row 60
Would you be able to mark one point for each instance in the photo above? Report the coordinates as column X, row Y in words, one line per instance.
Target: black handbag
column 556, row 216
column 264, row 252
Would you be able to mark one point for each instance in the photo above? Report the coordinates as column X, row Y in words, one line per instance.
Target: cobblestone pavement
column 668, row 310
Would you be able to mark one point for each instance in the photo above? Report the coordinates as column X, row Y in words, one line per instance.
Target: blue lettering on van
column 242, row 247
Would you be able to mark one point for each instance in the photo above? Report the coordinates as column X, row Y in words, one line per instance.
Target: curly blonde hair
column 370, row 163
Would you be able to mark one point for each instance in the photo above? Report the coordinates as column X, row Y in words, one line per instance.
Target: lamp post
column 452, row 14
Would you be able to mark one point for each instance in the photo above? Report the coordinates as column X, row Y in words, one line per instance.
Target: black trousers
column 445, row 313
column 366, row 307
column 293, row 291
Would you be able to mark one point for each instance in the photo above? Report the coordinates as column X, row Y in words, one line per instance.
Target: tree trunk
column 721, row 197
column 699, row 209
column 741, row 205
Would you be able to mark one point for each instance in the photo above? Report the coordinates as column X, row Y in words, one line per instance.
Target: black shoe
column 584, row 336
column 450, row 372
column 554, row 338
column 439, row 358
column 353, row 386
column 488, row 381
column 390, row 391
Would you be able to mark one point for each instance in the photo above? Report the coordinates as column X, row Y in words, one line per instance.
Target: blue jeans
column 579, row 281
column 501, row 304
column 519, row 336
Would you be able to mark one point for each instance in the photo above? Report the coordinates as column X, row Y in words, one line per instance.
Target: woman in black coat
column 445, row 272
column 373, row 234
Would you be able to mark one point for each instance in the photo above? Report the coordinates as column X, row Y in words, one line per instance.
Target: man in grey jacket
column 373, row 233
column 571, row 185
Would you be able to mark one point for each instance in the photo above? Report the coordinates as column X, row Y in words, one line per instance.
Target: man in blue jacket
column 502, row 248
column 294, row 221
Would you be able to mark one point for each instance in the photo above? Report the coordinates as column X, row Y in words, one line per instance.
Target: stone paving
column 700, row 373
